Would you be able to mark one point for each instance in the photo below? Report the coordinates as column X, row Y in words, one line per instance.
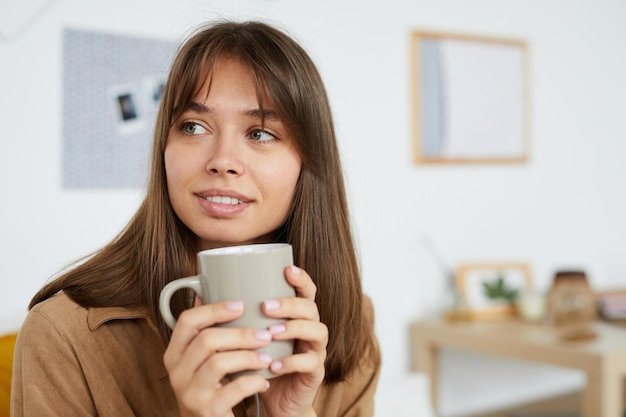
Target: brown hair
column 156, row 247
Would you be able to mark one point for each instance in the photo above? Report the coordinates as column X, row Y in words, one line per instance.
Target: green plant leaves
column 498, row 290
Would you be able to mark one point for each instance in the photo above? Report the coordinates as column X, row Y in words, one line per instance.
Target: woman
column 244, row 152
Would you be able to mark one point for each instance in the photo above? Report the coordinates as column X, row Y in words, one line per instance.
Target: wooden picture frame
column 470, row 99
column 471, row 279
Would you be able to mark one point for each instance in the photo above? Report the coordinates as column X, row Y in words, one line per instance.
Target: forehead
column 236, row 74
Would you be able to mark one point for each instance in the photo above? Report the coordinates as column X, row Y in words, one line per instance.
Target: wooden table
column 603, row 359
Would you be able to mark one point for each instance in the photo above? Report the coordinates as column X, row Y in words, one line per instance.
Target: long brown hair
column 156, row 247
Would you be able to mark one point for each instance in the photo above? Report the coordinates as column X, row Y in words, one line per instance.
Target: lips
column 223, row 204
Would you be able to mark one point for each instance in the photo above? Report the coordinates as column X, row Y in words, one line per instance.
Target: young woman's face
column 230, row 179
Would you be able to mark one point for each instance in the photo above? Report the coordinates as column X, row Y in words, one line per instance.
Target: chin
column 213, row 241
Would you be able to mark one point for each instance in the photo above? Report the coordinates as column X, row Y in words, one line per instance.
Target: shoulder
column 66, row 316
column 58, row 304
column 59, row 312
column 50, row 330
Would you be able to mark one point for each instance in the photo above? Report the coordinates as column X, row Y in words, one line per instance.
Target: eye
column 261, row 136
column 192, row 128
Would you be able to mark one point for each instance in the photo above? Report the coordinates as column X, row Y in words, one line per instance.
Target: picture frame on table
column 479, row 283
column 470, row 98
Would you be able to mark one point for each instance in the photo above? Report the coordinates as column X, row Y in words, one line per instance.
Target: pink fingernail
column 295, row 270
column 276, row 366
column 277, row 328
column 235, row 306
column 271, row 305
column 263, row 335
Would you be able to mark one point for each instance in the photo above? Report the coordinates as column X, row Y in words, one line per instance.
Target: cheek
column 288, row 179
column 174, row 172
column 174, row 166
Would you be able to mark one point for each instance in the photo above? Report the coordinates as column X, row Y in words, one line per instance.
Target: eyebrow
column 198, row 107
column 259, row 114
column 264, row 114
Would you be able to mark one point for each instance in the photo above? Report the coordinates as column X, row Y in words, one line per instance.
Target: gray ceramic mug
column 250, row 273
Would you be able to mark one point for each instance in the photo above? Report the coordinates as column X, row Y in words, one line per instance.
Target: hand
column 291, row 394
column 199, row 357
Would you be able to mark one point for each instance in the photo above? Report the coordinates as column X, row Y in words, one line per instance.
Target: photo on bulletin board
column 490, row 290
column 470, row 99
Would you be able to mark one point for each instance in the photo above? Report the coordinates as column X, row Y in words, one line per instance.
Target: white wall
column 562, row 209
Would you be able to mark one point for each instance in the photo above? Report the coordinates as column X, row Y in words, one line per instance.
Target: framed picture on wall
column 490, row 290
column 470, row 99
column 127, row 109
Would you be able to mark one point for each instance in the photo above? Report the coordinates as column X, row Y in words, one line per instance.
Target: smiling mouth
column 223, row 200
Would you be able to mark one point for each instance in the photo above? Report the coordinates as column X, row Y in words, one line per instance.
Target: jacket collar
column 97, row 316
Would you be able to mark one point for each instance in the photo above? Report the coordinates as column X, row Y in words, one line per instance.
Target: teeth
column 223, row 200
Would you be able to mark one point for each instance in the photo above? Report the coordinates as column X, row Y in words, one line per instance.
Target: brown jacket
column 108, row 362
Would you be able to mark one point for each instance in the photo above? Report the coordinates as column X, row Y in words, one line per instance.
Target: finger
column 208, row 343
column 207, row 315
column 222, row 365
column 200, row 400
column 231, row 391
column 241, row 387
column 191, row 322
column 307, row 363
column 301, row 281
column 315, row 334
column 291, row 307
column 219, row 339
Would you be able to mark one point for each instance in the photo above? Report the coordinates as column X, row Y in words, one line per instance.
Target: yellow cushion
column 7, row 343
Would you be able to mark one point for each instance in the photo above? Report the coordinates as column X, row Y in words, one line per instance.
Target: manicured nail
column 276, row 366
column 277, row 328
column 267, row 383
column 265, row 358
column 295, row 270
column 263, row 335
column 271, row 305
column 235, row 306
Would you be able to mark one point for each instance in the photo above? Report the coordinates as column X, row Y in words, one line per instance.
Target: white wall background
column 564, row 208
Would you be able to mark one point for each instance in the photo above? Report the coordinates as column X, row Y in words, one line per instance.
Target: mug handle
column 192, row 282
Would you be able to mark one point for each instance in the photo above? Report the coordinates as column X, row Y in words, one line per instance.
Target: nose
column 225, row 157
